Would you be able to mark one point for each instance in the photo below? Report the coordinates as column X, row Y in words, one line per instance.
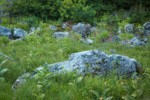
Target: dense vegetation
column 39, row 49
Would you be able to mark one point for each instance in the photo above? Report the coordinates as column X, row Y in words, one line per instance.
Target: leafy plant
column 126, row 36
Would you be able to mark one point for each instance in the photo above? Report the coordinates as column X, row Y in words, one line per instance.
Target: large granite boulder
column 60, row 35
column 93, row 62
column 5, row 31
column 147, row 28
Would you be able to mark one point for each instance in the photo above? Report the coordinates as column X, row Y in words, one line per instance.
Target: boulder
column 5, row 31
column 61, row 34
column 146, row 28
column 83, row 29
column 129, row 28
column 135, row 41
column 93, row 62
column 19, row 33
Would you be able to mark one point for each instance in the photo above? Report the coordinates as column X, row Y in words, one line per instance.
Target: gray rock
column 5, row 31
column 19, row 33
column 61, row 34
column 83, row 29
column 129, row 28
column 146, row 28
column 87, row 41
column 115, row 39
column 96, row 62
column 135, row 41
column 52, row 27
column 93, row 62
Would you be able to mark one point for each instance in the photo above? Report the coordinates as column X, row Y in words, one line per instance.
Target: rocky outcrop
column 93, row 62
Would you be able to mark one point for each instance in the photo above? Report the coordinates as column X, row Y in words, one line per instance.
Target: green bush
column 43, row 9
column 77, row 11
column 139, row 14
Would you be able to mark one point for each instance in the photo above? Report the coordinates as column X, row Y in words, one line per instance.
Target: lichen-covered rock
column 96, row 62
column 147, row 28
column 129, row 28
column 59, row 35
column 83, row 29
column 135, row 41
column 19, row 33
column 93, row 62
column 5, row 31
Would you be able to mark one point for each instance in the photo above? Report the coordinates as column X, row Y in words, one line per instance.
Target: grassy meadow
column 42, row 48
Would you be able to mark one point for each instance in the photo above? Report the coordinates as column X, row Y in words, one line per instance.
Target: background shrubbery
column 76, row 10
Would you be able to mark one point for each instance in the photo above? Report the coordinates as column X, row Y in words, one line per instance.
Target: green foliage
column 4, row 40
column 43, row 9
column 126, row 36
column 102, row 36
column 2, row 70
column 139, row 14
column 77, row 11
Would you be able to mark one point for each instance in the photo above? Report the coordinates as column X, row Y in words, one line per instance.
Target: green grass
column 40, row 48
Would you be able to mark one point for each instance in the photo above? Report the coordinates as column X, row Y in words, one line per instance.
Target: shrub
column 76, row 11
column 139, row 14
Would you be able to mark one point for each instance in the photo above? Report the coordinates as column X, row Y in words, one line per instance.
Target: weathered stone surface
column 135, row 41
column 129, row 28
column 5, row 31
column 96, row 62
column 19, row 33
column 83, row 29
column 61, row 34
